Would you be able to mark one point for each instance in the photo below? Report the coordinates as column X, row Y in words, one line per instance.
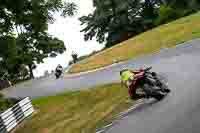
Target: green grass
column 167, row 35
column 77, row 112
column 6, row 103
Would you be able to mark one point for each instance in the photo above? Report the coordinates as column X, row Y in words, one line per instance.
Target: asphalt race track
column 179, row 112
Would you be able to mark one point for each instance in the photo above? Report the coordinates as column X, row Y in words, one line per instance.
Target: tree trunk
column 31, row 71
column 113, row 5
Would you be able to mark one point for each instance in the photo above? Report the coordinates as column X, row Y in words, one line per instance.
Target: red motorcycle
column 148, row 85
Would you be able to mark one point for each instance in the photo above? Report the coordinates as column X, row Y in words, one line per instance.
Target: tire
column 57, row 76
column 165, row 88
column 158, row 96
column 150, row 92
column 162, row 83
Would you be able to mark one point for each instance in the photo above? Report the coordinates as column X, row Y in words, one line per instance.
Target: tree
column 174, row 9
column 182, row 4
column 114, row 21
column 37, row 48
column 167, row 14
column 8, row 53
column 11, row 67
column 28, row 20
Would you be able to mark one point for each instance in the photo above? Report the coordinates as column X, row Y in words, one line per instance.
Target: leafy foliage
column 6, row 103
column 172, row 10
column 24, row 40
column 114, row 21
column 167, row 14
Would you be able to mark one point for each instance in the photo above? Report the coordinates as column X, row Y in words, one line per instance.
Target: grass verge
column 6, row 103
column 164, row 36
column 77, row 112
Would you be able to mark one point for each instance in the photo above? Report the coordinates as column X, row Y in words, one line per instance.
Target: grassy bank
column 167, row 35
column 77, row 112
column 6, row 103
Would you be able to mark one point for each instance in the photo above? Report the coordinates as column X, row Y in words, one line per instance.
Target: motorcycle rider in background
column 59, row 71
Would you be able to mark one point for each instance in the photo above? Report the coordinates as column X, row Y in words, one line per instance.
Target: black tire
column 162, row 83
column 158, row 96
column 57, row 76
column 150, row 92
column 165, row 88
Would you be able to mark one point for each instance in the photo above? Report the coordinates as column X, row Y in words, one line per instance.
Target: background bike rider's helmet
column 123, row 71
column 59, row 65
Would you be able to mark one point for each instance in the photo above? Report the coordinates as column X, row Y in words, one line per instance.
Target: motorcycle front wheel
column 150, row 92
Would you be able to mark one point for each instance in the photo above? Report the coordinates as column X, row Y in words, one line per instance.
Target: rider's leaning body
column 127, row 78
column 128, row 75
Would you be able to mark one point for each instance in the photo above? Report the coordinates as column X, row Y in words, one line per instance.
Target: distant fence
column 14, row 115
